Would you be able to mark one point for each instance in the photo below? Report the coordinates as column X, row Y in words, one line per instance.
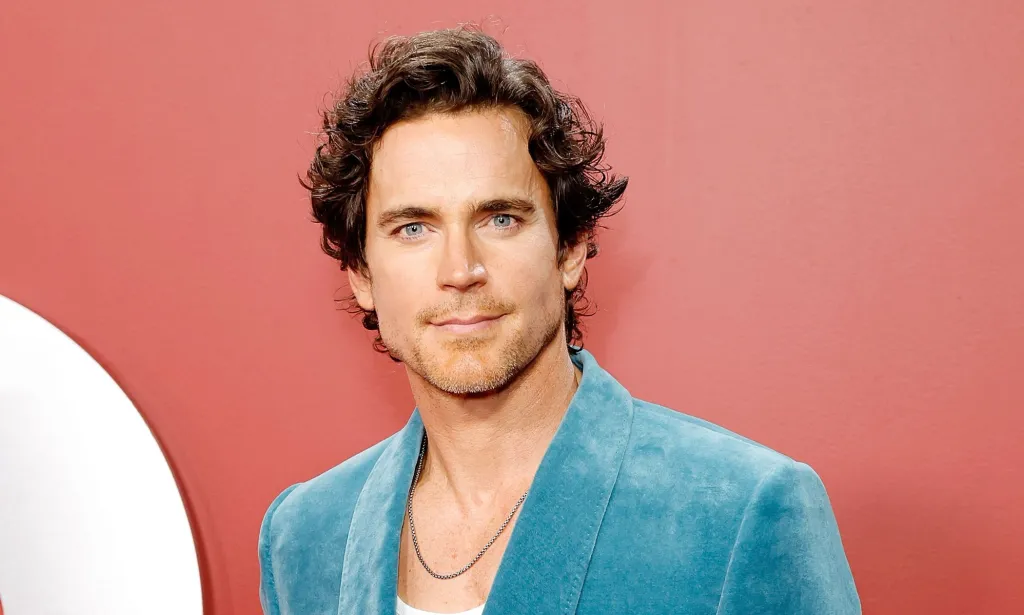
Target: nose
column 461, row 266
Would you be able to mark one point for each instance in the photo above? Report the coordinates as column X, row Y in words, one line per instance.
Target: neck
column 480, row 447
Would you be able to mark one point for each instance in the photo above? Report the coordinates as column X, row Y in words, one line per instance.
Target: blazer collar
column 547, row 555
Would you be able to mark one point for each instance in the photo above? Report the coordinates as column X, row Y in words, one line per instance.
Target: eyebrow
column 521, row 206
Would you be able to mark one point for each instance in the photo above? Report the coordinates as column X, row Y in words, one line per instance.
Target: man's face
column 462, row 250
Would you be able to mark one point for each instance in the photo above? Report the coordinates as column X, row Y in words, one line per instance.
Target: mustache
column 478, row 305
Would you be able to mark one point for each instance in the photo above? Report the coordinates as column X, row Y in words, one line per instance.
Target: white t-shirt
column 405, row 609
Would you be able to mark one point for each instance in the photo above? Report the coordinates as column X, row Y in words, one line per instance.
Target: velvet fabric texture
column 635, row 508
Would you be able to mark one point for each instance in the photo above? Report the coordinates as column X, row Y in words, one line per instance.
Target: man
column 461, row 193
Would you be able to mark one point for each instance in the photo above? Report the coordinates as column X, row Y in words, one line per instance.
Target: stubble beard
column 446, row 369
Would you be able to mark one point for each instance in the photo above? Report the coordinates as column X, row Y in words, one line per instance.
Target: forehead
column 452, row 159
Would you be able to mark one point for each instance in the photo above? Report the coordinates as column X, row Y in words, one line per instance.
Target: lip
column 463, row 324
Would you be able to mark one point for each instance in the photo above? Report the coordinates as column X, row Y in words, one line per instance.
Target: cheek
column 534, row 278
column 398, row 291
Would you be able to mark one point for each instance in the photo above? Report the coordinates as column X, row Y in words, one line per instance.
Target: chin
column 465, row 386
column 466, row 369
column 469, row 372
column 476, row 364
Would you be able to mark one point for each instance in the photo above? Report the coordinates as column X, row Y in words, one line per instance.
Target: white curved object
column 91, row 520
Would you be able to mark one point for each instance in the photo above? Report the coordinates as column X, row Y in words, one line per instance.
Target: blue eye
column 503, row 220
column 415, row 226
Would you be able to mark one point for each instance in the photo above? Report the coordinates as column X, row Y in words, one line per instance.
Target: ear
column 573, row 259
column 360, row 283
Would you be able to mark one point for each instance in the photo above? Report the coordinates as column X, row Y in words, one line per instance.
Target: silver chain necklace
column 412, row 527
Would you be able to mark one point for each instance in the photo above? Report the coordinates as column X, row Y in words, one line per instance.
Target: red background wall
column 821, row 246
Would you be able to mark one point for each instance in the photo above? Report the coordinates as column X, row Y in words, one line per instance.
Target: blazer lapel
column 369, row 577
column 548, row 553
column 546, row 559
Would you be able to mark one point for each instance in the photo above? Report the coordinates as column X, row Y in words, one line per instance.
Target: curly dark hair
column 447, row 71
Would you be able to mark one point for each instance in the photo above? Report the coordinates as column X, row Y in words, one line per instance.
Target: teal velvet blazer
column 635, row 508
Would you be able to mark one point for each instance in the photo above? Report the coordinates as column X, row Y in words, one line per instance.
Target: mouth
column 468, row 324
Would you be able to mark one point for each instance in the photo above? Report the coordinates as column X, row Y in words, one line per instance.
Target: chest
column 447, row 545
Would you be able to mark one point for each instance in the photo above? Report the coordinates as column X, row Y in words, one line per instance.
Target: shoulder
column 763, row 520
column 699, row 436
column 305, row 529
column 326, row 498
column 674, row 452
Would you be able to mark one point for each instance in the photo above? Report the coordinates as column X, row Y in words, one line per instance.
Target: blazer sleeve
column 268, row 588
column 788, row 558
